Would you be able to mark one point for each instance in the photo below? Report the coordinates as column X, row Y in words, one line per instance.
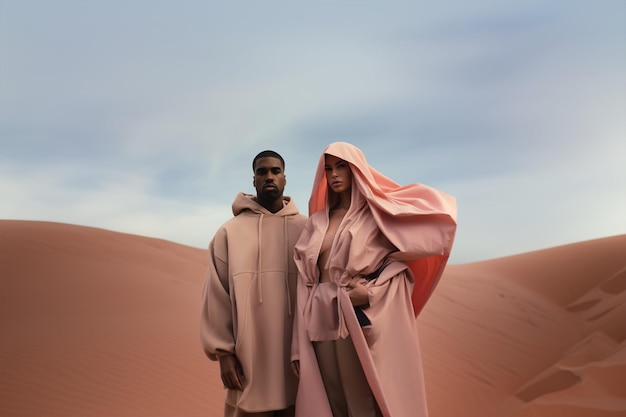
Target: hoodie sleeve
column 216, row 321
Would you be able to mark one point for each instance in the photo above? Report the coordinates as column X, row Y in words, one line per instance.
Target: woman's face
column 338, row 174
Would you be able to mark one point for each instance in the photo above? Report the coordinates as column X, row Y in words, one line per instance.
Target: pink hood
column 419, row 220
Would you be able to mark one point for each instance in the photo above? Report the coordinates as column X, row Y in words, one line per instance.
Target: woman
column 368, row 259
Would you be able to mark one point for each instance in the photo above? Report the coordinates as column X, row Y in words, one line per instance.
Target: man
column 249, row 295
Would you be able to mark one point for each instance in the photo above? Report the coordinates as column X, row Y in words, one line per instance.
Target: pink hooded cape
column 400, row 236
column 419, row 220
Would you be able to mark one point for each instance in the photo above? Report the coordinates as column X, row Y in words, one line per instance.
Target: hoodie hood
column 249, row 202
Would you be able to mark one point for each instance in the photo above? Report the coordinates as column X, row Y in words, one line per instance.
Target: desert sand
column 105, row 324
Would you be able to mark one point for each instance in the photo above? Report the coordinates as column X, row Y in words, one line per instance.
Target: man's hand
column 232, row 372
column 357, row 291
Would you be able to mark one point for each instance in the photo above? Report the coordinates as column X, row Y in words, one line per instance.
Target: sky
column 143, row 116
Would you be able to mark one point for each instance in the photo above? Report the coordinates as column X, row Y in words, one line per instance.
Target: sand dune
column 99, row 323
column 96, row 323
column 537, row 334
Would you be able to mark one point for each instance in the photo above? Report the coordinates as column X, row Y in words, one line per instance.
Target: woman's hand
column 357, row 291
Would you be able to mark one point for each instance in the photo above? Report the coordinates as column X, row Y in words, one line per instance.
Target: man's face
column 269, row 179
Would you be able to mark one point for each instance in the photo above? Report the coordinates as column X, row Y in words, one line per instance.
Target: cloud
column 115, row 202
column 144, row 117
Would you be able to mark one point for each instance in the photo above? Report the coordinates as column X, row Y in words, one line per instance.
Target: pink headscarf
column 419, row 220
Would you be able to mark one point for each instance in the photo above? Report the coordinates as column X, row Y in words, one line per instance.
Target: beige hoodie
column 248, row 300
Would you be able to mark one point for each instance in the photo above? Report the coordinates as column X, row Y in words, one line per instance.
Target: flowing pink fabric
column 419, row 220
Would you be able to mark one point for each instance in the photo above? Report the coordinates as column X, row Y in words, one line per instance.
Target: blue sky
column 143, row 116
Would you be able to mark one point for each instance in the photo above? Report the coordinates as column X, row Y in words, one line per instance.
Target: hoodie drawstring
column 286, row 266
column 288, row 255
column 260, row 256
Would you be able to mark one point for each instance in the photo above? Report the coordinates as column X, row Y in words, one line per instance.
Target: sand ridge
column 535, row 334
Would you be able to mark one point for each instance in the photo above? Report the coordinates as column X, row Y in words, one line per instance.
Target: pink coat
column 405, row 232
